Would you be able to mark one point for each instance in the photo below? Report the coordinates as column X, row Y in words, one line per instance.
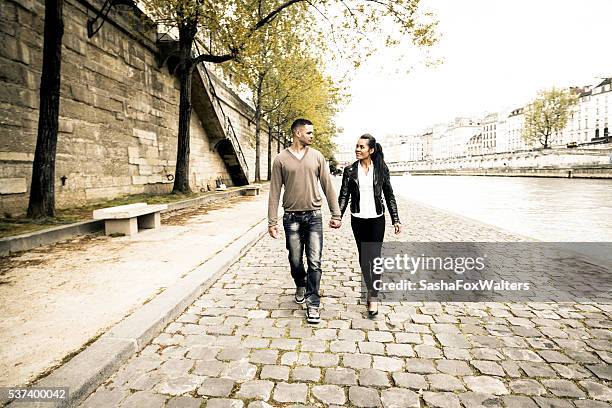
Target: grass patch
column 10, row 226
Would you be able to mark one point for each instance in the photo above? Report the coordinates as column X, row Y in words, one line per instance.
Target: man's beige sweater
column 301, row 177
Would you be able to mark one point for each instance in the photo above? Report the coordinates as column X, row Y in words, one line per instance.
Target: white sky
column 497, row 54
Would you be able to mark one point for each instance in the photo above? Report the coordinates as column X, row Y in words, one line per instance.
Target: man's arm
column 328, row 189
column 276, row 183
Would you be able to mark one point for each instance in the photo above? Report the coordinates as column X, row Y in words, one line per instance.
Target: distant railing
column 228, row 127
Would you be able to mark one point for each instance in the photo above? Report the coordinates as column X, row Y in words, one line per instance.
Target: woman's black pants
column 369, row 234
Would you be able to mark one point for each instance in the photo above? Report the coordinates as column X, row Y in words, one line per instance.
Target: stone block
column 144, row 399
column 306, row 374
column 74, row 43
column 285, row 392
column 364, row 397
column 371, row 377
column 341, row 376
column 216, row 387
column 398, row 397
column 256, row 389
column 125, row 227
column 108, row 104
column 527, row 386
column 563, row 388
column 145, row 170
column 329, row 394
column 133, row 154
column 179, row 385
column 152, row 153
column 13, row 185
column 66, row 125
column 486, row 385
column 445, row 382
column 144, row 134
column 9, row 47
column 275, row 372
column 140, row 179
column 407, row 380
column 81, row 93
column 16, row 156
column 441, row 399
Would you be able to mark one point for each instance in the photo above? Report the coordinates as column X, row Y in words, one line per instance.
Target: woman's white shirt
column 367, row 205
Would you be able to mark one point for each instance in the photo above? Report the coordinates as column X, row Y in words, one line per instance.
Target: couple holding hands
column 300, row 169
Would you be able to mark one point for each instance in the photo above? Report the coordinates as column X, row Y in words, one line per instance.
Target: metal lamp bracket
column 102, row 15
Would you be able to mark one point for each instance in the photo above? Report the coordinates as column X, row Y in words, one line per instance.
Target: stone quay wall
column 118, row 120
column 584, row 163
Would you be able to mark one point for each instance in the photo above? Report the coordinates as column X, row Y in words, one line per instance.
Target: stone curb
column 35, row 239
column 91, row 367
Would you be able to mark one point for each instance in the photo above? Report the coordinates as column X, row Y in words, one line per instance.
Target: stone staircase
column 207, row 105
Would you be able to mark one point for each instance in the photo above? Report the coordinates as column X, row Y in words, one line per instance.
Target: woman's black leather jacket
column 382, row 184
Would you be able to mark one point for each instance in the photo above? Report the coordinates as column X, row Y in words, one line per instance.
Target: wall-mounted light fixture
column 95, row 23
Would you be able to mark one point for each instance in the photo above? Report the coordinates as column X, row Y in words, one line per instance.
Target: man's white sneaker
column 300, row 295
column 312, row 314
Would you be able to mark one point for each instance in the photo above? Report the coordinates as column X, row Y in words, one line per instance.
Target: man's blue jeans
column 304, row 231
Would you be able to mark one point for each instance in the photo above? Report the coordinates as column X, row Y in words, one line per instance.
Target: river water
column 546, row 209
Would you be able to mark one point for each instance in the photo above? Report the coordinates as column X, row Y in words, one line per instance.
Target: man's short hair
column 299, row 123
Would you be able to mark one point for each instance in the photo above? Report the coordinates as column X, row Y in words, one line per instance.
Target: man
column 300, row 169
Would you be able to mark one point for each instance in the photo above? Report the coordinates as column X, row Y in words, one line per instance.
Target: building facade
column 489, row 133
column 451, row 140
column 502, row 132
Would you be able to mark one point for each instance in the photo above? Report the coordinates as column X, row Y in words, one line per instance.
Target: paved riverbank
column 245, row 343
column 57, row 298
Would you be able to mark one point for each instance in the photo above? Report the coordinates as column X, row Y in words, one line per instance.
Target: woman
column 364, row 183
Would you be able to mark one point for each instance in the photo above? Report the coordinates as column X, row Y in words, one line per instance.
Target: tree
column 316, row 97
column 256, row 72
column 226, row 29
column 42, row 189
column 278, row 71
column 333, row 165
column 547, row 115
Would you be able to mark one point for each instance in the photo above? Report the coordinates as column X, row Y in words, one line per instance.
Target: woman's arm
column 389, row 196
column 343, row 197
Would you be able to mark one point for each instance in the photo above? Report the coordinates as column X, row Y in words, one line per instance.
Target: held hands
column 273, row 231
column 335, row 224
column 398, row 228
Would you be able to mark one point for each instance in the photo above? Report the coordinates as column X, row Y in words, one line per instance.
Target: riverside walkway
column 245, row 343
column 57, row 298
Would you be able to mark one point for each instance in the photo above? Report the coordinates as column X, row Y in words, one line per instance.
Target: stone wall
column 548, row 158
column 118, row 111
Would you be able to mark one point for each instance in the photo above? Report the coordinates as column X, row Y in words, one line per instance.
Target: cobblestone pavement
column 245, row 343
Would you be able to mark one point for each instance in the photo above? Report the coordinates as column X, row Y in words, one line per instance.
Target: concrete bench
column 251, row 190
column 126, row 219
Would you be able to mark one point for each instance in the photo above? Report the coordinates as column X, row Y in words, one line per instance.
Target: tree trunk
column 269, row 153
column 181, row 176
column 258, row 129
column 257, row 144
column 42, row 188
